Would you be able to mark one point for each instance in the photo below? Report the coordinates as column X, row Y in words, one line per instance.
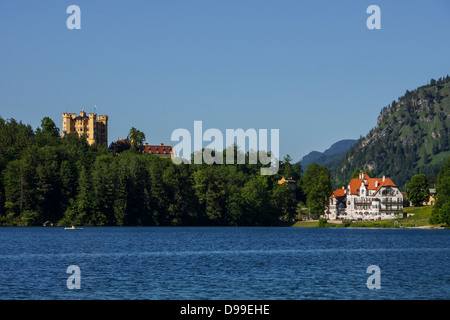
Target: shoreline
column 387, row 225
column 330, row 225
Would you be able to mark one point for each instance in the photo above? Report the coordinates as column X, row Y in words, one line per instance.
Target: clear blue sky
column 309, row 68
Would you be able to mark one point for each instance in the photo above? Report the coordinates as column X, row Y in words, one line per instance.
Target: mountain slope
column 329, row 157
column 411, row 136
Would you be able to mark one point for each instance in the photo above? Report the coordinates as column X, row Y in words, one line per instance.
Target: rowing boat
column 73, row 228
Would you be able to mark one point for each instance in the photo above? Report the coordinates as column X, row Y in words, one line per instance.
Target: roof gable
column 338, row 193
column 370, row 184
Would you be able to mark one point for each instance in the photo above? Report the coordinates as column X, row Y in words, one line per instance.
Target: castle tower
column 94, row 130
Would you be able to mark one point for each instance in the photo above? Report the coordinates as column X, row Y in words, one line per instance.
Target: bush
column 322, row 222
column 28, row 217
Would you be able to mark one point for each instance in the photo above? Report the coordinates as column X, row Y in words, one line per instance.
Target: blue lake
column 198, row 263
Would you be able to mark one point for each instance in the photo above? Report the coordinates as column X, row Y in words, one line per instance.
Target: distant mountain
column 329, row 157
column 411, row 136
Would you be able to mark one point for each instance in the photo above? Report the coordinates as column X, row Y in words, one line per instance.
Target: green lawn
column 421, row 218
column 306, row 224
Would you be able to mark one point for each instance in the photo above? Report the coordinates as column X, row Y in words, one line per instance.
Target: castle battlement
column 94, row 130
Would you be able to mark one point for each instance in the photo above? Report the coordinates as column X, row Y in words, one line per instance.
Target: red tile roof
column 370, row 184
column 157, row 149
column 388, row 182
column 339, row 193
column 355, row 184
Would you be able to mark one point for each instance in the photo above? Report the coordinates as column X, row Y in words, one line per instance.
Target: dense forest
column 411, row 137
column 64, row 180
column 44, row 177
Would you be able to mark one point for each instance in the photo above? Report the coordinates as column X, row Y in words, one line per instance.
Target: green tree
column 103, row 188
column 284, row 202
column 29, row 217
column 137, row 138
column 441, row 210
column 435, row 148
column 318, row 188
column 120, row 146
column 210, row 191
column 47, row 184
column 417, row 189
column 19, row 188
column 49, row 127
column 256, row 200
column 355, row 174
column 81, row 209
column 368, row 172
column 120, row 205
column 286, row 168
column 159, row 202
column 426, row 159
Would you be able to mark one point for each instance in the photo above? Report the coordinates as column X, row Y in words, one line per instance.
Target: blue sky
column 311, row 69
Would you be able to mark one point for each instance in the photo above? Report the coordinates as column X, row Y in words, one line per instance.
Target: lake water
column 198, row 263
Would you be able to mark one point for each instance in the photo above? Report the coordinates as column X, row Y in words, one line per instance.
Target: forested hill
column 330, row 157
column 44, row 177
column 411, row 137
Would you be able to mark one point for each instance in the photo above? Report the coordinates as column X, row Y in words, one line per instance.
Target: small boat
column 73, row 228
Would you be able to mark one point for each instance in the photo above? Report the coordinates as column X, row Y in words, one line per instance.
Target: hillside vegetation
column 411, row 137
column 330, row 157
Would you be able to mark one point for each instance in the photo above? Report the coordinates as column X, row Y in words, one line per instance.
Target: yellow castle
column 95, row 130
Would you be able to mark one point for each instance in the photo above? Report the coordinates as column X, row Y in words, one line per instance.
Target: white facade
column 337, row 204
column 366, row 199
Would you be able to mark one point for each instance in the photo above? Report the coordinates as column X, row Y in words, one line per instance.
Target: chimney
column 161, row 144
column 384, row 178
column 376, row 183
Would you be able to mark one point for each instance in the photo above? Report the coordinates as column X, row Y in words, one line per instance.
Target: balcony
column 391, row 210
column 391, row 202
column 363, row 202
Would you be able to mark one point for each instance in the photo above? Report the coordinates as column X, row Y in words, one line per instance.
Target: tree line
column 66, row 181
